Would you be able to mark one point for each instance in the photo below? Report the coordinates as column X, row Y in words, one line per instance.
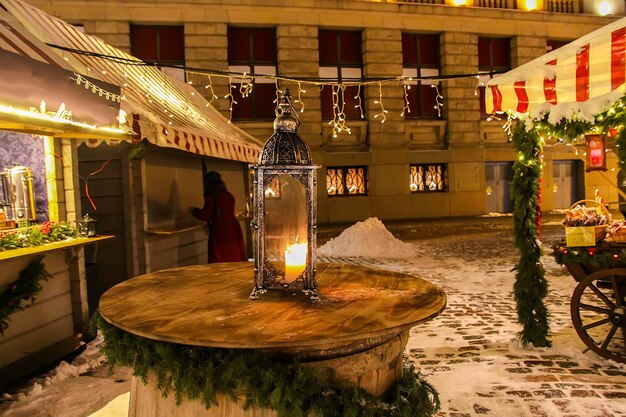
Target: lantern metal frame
column 588, row 139
column 285, row 153
column 87, row 226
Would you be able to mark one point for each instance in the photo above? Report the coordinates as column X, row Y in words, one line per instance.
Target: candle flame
column 295, row 260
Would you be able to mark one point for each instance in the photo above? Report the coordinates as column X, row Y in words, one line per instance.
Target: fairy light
column 245, row 88
column 477, row 85
column 339, row 118
column 230, row 97
column 214, row 96
column 299, row 99
column 438, row 99
column 276, row 99
column 383, row 112
column 359, row 103
column 407, row 106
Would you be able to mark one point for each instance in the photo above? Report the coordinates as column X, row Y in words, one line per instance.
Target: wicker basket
column 600, row 230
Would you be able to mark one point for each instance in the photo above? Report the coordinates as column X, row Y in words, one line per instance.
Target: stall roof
column 38, row 94
column 166, row 111
column 582, row 77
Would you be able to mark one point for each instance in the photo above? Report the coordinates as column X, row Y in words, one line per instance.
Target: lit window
column 253, row 51
column 340, row 60
column 346, row 181
column 494, row 54
column 163, row 45
column 420, row 57
column 428, row 178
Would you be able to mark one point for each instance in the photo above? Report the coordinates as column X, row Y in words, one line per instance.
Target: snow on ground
column 369, row 238
column 470, row 353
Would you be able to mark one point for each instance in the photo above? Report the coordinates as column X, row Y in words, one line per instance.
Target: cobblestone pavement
column 470, row 352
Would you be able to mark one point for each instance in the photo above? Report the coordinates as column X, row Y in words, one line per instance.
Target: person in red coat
column 225, row 236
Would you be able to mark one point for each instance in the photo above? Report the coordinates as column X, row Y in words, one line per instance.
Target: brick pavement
column 470, row 352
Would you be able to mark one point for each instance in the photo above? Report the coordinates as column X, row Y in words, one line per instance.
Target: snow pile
column 369, row 239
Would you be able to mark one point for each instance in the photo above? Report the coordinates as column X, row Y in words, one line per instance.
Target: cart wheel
column 598, row 312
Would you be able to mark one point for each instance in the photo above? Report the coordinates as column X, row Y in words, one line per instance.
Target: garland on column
column 530, row 286
column 203, row 373
column 26, row 287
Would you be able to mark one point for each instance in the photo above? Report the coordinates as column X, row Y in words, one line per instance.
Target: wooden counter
column 63, row 244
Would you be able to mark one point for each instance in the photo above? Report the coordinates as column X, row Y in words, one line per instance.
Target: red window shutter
column 264, row 42
column 143, row 42
column 326, row 97
column 172, row 43
column 328, row 47
column 501, row 52
column 238, row 45
column 409, row 49
column 429, row 50
column 350, row 48
column 484, row 56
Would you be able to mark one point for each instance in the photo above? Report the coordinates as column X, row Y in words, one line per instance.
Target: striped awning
column 165, row 111
column 582, row 77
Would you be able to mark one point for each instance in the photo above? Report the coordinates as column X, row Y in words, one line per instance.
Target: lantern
column 285, row 209
column 596, row 154
column 87, row 226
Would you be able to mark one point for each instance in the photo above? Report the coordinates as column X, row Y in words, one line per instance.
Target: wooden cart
column 598, row 303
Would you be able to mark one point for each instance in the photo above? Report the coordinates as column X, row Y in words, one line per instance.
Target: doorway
column 498, row 177
column 565, row 176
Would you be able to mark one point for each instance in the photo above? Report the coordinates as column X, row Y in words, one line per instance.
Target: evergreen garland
column 26, row 287
column 530, row 286
column 594, row 257
column 202, row 373
column 36, row 235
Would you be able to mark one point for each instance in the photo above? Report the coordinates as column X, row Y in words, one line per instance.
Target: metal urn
column 18, row 199
column 285, row 209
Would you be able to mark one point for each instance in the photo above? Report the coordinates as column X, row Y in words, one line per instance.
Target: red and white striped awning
column 582, row 78
column 14, row 38
column 166, row 111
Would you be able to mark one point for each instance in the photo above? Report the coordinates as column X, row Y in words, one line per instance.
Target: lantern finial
column 287, row 120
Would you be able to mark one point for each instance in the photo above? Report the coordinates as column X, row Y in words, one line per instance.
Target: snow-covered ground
column 469, row 353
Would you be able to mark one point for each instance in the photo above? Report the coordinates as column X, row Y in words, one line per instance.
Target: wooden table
column 357, row 331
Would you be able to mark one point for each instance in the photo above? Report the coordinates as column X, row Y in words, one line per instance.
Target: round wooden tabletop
column 208, row 305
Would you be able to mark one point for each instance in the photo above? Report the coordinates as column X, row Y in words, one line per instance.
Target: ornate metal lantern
column 87, row 226
column 285, row 210
column 596, row 152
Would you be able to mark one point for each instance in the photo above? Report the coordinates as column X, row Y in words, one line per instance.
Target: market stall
column 142, row 191
column 558, row 98
column 44, row 106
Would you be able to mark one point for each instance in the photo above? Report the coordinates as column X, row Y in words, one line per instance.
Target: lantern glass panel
column 285, row 227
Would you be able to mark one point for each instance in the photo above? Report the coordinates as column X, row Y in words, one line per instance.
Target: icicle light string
column 230, row 97
column 307, row 80
column 299, row 99
column 209, row 87
column 383, row 112
column 359, row 104
column 438, row 99
column 276, row 100
column 339, row 118
column 407, row 108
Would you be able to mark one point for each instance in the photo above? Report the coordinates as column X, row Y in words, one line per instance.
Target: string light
column 214, row 96
column 407, row 107
column 276, row 99
column 230, row 97
column 80, row 80
column 359, row 104
column 478, row 85
column 438, row 99
column 339, row 118
column 299, row 99
column 383, row 112
column 245, row 88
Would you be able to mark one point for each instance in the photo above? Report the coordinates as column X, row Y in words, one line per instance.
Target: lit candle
column 295, row 261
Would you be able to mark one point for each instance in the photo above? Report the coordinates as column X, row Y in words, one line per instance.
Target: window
column 551, row 45
column 346, row 181
column 340, row 60
column 253, row 51
column 494, row 54
column 160, row 45
column 428, row 178
column 420, row 57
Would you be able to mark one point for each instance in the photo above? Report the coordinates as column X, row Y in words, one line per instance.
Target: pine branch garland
column 201, row 373
column 530, row 286
column 26, row 287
